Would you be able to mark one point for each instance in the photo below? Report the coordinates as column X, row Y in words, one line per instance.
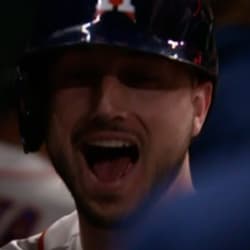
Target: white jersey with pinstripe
column 62, row 235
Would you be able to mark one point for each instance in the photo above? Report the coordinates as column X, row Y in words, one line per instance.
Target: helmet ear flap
column 30, row 114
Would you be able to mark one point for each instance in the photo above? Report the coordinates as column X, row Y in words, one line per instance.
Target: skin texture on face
column 111, row 94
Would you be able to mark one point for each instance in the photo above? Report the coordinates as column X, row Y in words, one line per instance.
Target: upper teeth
column 110, row 144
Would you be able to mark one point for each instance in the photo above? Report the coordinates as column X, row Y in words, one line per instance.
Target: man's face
column 120, row 123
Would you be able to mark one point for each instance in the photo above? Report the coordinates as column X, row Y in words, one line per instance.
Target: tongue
column 110, row 171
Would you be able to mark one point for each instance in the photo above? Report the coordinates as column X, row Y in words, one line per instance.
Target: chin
column 109, row 218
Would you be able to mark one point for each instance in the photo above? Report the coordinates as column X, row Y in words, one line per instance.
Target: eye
column 77, row 77
column 141, row 79
column 82, row 77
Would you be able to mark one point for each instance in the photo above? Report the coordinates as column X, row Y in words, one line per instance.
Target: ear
column 202, row 97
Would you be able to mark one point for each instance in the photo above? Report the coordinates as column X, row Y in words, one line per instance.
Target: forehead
column 113, row 57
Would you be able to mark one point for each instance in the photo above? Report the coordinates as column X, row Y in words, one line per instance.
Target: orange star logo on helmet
column 123, row 6
column 116, row 2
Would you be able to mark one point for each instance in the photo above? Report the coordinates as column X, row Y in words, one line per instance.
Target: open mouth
column 111, row 160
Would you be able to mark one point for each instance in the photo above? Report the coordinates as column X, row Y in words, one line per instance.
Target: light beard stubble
column 161, row 184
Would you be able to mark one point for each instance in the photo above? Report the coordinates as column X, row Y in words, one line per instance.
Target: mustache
column 99, row 124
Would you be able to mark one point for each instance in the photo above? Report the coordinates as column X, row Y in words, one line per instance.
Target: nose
column 110, row 98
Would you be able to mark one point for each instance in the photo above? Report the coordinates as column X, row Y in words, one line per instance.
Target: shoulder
column 62, row 235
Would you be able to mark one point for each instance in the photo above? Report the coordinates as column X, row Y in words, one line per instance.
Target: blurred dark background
column 224, row 144
column 15, row 25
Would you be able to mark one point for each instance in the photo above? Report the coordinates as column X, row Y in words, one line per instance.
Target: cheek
column 68, row 106
column 164, row 110
column 169, row 120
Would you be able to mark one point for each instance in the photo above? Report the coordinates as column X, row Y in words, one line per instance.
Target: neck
column 182, row 184
column 93, row 238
